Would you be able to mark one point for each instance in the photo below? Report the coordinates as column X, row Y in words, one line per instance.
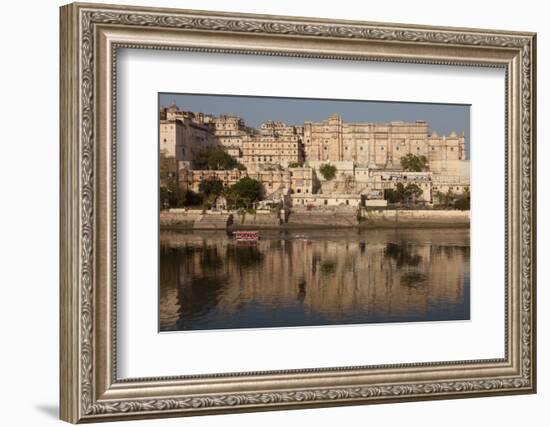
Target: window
column 381, row 148
column 396, row 148
column 326, row 202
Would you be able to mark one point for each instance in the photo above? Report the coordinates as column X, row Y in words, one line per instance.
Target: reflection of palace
column 353, row 280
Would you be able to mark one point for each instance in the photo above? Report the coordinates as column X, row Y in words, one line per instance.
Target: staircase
column 213, row 221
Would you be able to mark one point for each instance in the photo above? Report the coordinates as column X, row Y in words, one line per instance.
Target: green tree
column 445, row 199
column 463, row 201
column 167, row 169
column 171, row 196
column 328, row 171
column 412, row 192
column 215, row 158
column 244, row 192
column 395, row 195
column 192, row 198
column 295, row 165
column 210, row 186
column 412, row 163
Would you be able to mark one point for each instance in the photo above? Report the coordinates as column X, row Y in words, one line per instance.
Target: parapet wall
column 179, row 217
column 320, row 217
column 415, row 217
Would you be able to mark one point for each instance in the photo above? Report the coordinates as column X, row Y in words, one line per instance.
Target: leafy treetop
column 247, row 190
column 215, row 158
column 328, row 171
column 412, row 163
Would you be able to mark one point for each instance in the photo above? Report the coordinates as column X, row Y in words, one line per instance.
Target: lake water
column 313, row 277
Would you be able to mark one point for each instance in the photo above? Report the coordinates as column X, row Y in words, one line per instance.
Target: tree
column 395, row 195
column 210, row 186
column 412, row 192
column 192, row 198
column 463, row 201
column 412, row 163
column 167, row 169
column 245, row 191
column 445, row 199
column 294, row 165
column 215, row 158
column 328, row 171
column 171, row 196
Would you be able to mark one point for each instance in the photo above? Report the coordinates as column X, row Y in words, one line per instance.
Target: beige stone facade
column 298, row 180
column 377, row 144
column 450, row 167
column 450, row 183
column 276, row 143
column 227, row 177
column 303, row 180
column 184, row 134
column 366, row 155
column 269, row 150
column 381, row 180
column 230, row 131
column 328, row 200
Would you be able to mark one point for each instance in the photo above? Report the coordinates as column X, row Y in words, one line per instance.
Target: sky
column 255, row 110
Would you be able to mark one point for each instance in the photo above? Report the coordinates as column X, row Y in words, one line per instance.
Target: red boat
column 246, row 236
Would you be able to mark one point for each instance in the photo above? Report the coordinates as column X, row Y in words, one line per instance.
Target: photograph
column 294, row 212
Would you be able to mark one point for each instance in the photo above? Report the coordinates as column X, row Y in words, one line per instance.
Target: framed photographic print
column 267, row 212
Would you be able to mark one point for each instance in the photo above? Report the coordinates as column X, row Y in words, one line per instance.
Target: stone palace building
column 284, row 157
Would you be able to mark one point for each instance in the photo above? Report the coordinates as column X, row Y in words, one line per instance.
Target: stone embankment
column 414, row 218
column 323, row 218
column 213, row 221
column 198, row 219
column 258, row 220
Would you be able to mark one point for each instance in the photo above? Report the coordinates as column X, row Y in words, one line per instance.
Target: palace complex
column 287, row 159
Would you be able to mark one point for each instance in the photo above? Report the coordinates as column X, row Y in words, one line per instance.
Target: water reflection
column 314, row 277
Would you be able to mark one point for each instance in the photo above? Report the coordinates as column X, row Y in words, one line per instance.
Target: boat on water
column 246, row 236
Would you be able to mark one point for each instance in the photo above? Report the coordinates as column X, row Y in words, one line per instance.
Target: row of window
column 275, row 145
column 269, row 159
column 382, row 148
column 450, row 188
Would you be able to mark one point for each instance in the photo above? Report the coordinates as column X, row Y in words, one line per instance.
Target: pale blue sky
column 442, row 118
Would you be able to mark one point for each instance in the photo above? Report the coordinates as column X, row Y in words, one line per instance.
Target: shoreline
column 361, row 226
column 385, row 219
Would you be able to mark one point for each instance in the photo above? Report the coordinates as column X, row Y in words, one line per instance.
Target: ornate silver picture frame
column 91, row 36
